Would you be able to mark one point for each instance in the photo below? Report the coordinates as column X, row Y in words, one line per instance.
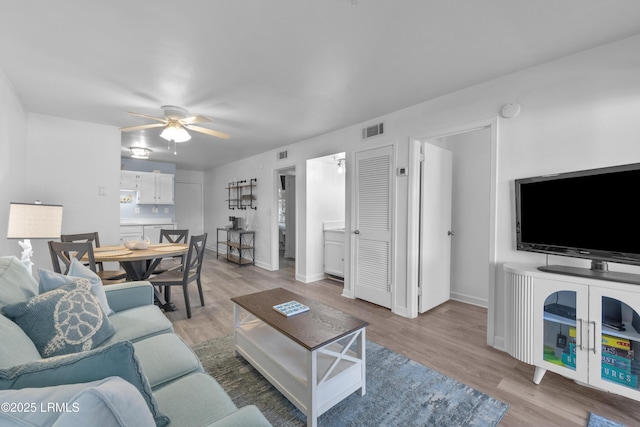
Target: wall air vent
column 372, row 131
column 282, row 155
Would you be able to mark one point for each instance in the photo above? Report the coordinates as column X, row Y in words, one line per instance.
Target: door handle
column 579, row 333
column 356, row 232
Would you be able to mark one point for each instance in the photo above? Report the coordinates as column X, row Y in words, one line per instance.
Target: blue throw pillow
column 117, row 359
column 66, row 320
column 50, row 280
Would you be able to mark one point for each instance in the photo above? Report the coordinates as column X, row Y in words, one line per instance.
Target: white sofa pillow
column 113, row 401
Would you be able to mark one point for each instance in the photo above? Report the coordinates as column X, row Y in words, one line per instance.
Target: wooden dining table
column 139, row 264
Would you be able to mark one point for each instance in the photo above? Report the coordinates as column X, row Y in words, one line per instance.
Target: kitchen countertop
column 146, row 221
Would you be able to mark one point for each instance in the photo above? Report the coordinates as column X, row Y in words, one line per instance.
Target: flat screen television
column 591, row 214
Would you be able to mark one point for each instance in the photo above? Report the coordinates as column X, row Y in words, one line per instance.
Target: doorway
column 470, row 214
column 474, row 149
column 325, row 207
column 286, row 217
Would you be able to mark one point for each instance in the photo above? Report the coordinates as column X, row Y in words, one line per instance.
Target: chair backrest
column 174, row 236
column 82, row 237
column 66, row 251
column 92, row 238
column 192, row 264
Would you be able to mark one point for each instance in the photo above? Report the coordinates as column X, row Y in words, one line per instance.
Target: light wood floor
column 450, row 339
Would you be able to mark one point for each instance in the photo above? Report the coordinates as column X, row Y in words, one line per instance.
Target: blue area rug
column 400, row 392
column 596, row 420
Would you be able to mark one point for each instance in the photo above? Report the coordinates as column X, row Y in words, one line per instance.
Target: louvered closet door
column 372, row 230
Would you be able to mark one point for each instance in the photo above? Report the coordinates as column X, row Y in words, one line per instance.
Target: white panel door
column 372, row 228
column 435, row 227
column 188, row 205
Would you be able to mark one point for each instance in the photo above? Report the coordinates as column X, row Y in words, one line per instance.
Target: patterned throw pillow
column 66, row 320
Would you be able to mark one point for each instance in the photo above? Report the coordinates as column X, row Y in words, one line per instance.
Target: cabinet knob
column 356, row 232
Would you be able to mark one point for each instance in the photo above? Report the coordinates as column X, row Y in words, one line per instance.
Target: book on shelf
column 616, row 342
column 569, row 359
column 290, row 308
column 619, row 376
column 617, row 362
column 614, row 351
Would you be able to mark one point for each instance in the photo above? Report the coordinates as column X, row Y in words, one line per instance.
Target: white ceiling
column 275, row 72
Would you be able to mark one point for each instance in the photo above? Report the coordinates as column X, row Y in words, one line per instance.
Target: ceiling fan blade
column 163, row 120
column 208, row 131
column 153, row 125
column 194, row 119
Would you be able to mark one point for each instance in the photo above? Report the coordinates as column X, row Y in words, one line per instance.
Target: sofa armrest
column 123, row 296
column 247, row 416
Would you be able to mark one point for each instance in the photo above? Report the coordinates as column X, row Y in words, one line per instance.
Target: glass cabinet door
column 559, row 329
column 618, row 340
column 561, row 313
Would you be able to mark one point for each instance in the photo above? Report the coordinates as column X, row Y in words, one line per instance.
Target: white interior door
column 435, row 227
column 372, row 227
column 188, row 206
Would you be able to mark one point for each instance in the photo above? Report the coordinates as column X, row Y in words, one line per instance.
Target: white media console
column 559, row 323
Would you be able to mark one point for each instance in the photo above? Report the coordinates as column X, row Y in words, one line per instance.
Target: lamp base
column 27, row 252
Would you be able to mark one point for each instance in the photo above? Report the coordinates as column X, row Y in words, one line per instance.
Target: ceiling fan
column 176, row 121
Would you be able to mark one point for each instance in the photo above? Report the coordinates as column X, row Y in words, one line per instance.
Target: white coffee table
column 307, row 357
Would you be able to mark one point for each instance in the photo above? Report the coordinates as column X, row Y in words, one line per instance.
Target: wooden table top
column 312, row 329
column 121, row 253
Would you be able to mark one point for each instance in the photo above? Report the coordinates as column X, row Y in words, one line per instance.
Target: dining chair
column 62, row 253
column 107, row 276
column 188, row 272
column 171, row 236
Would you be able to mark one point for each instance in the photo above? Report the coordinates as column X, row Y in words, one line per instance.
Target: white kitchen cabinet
column 131, row 232
column 155, row 189
column 152, row 232
column 564, row 324
column 334, row 252
column 129, row 180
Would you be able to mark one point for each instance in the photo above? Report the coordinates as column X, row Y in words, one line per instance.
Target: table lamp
column 33, row 221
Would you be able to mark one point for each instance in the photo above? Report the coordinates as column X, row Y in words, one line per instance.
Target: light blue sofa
column 164, row 380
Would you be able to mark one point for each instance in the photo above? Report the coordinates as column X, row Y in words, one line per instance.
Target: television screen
column 589, row 214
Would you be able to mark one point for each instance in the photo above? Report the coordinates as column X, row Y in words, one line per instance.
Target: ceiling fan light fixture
column 140, row 152
column 175, row 132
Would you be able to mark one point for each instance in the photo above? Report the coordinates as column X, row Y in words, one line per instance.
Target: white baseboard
column 499, row 344
column 480, row 302
column 310, row 278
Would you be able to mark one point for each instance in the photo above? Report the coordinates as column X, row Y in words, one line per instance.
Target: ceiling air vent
column 282, row 155
column 372, row 131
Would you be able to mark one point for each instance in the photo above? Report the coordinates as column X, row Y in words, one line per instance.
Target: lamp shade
column 175, row 132
column 34, row 221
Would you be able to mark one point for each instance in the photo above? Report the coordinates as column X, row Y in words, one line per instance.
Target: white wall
column 577, row 112
column 264, row 167
column 13, row 159
column 75, row 164
column 325, row 202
